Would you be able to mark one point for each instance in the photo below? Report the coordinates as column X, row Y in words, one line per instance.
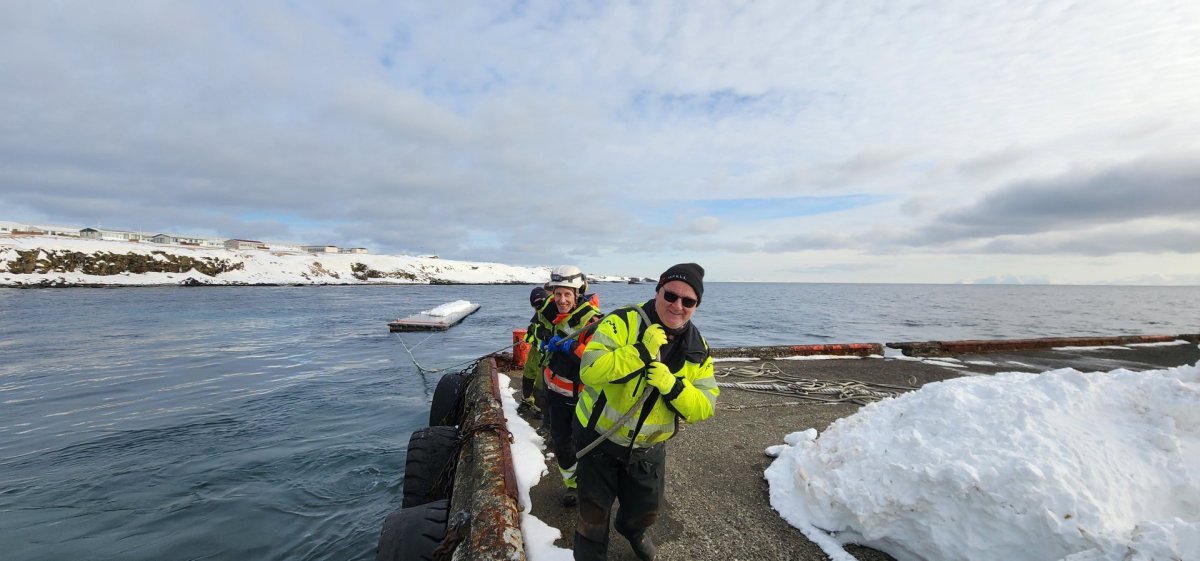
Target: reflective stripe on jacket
column 612, row 371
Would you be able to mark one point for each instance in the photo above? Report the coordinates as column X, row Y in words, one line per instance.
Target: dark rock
column 103, row 263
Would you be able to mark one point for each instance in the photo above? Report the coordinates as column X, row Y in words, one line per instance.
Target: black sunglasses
column 687, row 302
column 554, row 277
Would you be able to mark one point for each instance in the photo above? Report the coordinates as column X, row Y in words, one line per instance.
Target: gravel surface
column 717, row 504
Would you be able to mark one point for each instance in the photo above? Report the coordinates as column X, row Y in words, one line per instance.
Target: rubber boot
column 570, row 498
column 526, row 388
column 644, row 548
column 589, row 550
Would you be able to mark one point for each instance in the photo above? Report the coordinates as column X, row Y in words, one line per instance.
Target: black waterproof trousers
column 561, row 415
column 604, row 475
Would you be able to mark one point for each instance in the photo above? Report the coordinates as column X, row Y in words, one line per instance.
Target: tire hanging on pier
column 446, row 409
column 429, row 466
column 411, row 534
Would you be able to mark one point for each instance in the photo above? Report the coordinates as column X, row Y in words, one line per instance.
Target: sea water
column 233, row 423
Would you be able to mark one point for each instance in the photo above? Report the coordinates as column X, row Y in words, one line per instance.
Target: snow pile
column 529, row 466
column 1058, row 465
column 450, row 308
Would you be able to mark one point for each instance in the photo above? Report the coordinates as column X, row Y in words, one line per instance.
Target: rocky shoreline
column 61, row 262
column 57, row 262
column 62, row 283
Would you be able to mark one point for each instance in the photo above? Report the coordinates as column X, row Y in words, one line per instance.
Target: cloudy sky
column 867, row 141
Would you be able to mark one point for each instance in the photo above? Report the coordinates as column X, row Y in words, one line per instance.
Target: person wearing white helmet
column 569, row 310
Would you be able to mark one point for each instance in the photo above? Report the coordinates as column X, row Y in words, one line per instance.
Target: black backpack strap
column 597, row 409
column 637, row 429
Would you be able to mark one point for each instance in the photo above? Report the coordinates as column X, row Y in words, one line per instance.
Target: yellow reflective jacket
column 539, row 331
column 613, row 372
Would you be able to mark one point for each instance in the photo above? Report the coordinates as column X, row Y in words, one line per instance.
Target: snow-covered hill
column 62, row 261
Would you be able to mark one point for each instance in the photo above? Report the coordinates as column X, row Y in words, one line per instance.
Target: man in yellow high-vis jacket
column 645, row 368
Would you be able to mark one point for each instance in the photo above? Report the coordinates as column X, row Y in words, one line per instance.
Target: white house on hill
column 113, row 235
column 171, row 239
column 7, row 227
column 239, row 245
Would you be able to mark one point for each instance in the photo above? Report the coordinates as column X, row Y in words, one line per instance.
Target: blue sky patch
column 717, row 103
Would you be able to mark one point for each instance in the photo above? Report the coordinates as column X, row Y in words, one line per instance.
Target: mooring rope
column 423, row 340
column 424, row 370
column 420, row 368
column 778, row 382
column 762, row 369
column 478, row 358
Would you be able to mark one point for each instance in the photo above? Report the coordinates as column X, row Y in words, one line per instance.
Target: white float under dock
column 440, row 318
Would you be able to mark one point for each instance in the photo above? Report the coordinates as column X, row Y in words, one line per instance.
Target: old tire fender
column 431, row 456
column 446, row 409
column 413, row 533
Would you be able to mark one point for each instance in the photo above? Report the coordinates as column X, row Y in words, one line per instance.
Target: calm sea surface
column 270, row 423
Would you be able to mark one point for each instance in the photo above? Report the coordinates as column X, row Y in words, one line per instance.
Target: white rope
column 420, row 368
column 424, row 370
column 423, row 340
column 776, row 381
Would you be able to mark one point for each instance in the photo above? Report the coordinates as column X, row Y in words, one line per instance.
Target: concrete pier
column 722, row 513
column 484, row 510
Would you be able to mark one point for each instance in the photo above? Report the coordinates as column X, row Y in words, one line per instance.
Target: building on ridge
column 240, row 245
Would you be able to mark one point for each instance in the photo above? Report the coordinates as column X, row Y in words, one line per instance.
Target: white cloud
column 536, row 131
column 705, row 225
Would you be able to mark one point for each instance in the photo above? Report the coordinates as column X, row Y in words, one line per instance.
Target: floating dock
column 440, row 318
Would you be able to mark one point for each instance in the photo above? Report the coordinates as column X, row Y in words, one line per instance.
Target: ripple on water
column 270, row 422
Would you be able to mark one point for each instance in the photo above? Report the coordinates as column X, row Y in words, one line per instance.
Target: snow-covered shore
column 62, row 261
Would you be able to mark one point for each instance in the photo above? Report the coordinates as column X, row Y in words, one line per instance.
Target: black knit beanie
column 690, row 273
column 538, row 293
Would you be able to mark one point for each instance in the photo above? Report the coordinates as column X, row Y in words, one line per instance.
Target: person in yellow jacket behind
column 538, row 332
column 645, row 368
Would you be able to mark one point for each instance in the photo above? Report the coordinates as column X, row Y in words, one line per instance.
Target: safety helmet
column 567, row 275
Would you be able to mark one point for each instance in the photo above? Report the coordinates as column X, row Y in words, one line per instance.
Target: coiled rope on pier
column 769, row 378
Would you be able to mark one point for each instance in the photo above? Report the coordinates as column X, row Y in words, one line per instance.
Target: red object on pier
column 520, row 348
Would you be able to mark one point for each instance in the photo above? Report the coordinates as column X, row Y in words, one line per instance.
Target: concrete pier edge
column 485, row 492
column 484, row 507
column 944, row 348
